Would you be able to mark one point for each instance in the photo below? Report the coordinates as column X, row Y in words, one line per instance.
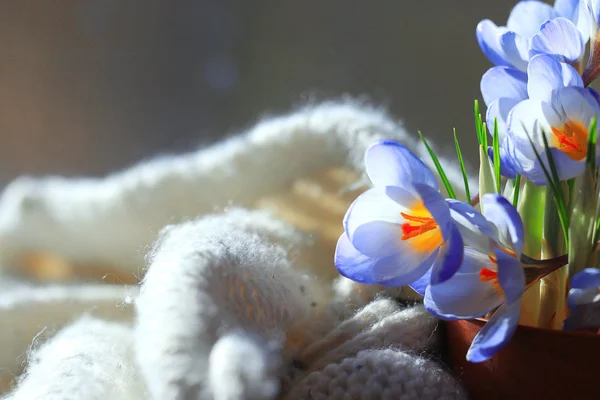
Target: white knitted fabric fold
column 234, row 303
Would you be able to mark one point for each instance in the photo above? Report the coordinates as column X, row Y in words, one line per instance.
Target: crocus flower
column 584, row 300
column 490, row 276
column 558, row 107
column 510, row 45
column 401, row 228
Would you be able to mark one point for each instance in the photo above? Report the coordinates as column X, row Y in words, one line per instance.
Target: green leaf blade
column 439, row 168
column 462, row 168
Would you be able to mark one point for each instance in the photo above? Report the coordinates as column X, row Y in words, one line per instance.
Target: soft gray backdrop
column 87, row 87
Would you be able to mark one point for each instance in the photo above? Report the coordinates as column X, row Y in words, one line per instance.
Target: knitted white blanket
column 239, row 297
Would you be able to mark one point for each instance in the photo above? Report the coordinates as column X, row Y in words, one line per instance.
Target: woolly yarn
column 235, row 302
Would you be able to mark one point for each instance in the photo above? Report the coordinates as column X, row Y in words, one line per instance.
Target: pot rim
column 482, row 321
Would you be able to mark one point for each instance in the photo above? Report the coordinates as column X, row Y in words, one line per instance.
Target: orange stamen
column 421, row 229
column 571, row 139
column 486, row 275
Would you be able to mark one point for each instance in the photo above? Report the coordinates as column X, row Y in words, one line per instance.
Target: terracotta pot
column 535, row 364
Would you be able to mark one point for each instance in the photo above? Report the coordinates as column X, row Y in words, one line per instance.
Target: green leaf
column 517, row 189
column 484, row 136
column 531, row 209
column 462, row 168
column 477, row 122
column 496, row 147
column 439, row 168
column 487, row 182
column 583, row 222
column 554, row 185
column 590, row 159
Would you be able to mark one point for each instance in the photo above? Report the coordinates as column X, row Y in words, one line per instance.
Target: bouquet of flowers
column 524, row 250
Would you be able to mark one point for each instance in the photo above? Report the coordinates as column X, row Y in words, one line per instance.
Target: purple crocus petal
column 390, row 163
column 475, row 230
column 547, row 74
column 498, row 111
column 558, row 37
column 496, row 333
column 449, row 258
column 510, row 276
column 566, row 8
column 376, row 205
column 400, row 270
column 465, row 295
column 527, row 121
column 527, row 17
column 420, row 285
column 503, row 82
column 584, row 287
column 516, row 49
column 594, row 95
column 571, row 103
column 585, row 316
column 437, row 207
column 498, row 211
column 586, row 279
column 351, row 263
column 396, row 270
column 488, row 37
column 378, row 238
column 507, row 168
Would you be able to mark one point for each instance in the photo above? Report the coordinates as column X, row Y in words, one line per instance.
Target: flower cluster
column 485, row 258
column 539, row 87
column 465, row 263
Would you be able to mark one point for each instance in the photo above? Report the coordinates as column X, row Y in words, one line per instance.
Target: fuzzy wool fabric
column 209, row 275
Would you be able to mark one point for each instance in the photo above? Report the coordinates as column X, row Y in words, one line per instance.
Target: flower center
column 420, row 229
column 571, row 139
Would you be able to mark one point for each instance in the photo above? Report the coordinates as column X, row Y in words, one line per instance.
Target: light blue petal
column 566, row 8
column 400, row 270
column 496, row 333
column 507, row 168
column 503, row 82
column 474, row 228
column 571, row 103
column 510, row 276
column 351, row 263
column 390, row 163
column 420, row 285
column 527, row 17
column 375, row 205
column 578, row 297
column 449, row 258
column 501, row 213
column 437, row 207
column 586, row 316
column 558, row 37
column 465, row 295
column 516, row 49
column 595, row 95
column 395, row 270
column 488, row 37
column 378, row 239
column 584, row 287
column 528, row 120
column 547, row 74
column 498, row 111
column 586, row 279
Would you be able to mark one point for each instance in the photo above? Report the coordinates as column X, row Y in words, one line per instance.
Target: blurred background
column 91, row 86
